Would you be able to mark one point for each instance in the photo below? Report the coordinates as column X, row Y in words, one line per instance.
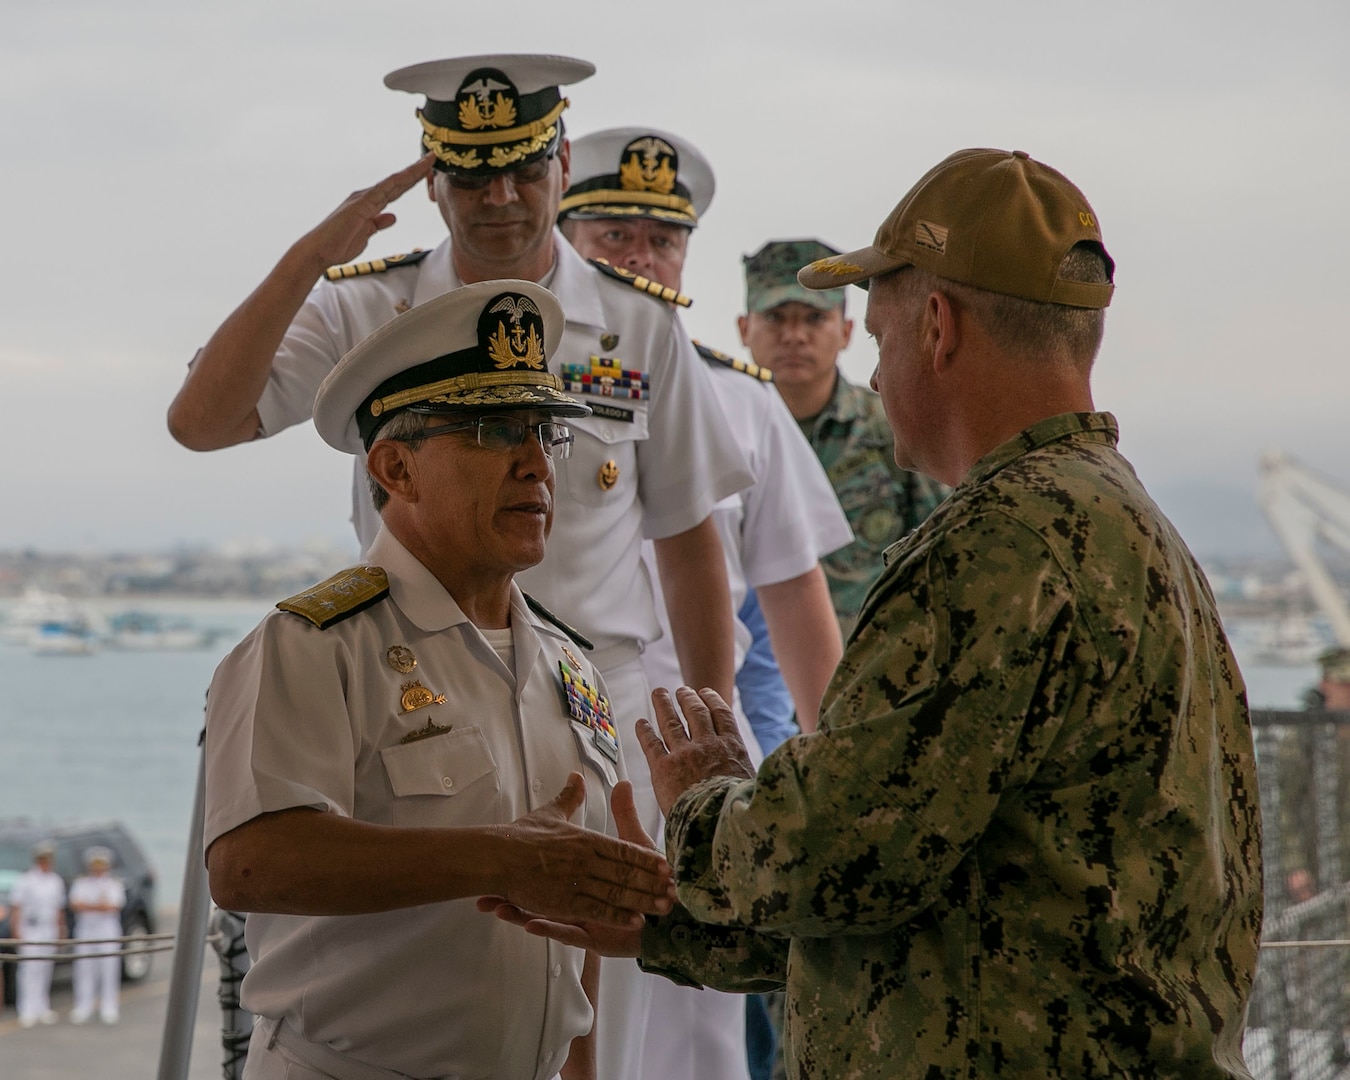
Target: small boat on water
column 38, row 608
column 63, row 638
column 143, row 630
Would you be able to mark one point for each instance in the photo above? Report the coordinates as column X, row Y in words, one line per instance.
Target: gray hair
column 1029, row 328
column 404, row 426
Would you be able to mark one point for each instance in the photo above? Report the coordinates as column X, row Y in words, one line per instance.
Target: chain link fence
column 1296, row 1026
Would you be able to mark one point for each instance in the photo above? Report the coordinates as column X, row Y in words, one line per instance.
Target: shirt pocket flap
column 592, row 755
column 441, row 765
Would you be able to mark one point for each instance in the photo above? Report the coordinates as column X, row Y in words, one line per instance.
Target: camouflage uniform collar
column 848, row 402
column 1096, row 426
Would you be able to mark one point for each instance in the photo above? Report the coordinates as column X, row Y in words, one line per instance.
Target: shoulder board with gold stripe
column 376, row 266
column 746, row 367
column 549, row 617
column 642, row 284
column 340, row 597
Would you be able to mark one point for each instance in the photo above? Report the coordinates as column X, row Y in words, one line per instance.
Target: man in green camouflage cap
column 798, row 334
column 1025, row 839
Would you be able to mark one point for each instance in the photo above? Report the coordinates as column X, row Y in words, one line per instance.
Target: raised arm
column 217, row 405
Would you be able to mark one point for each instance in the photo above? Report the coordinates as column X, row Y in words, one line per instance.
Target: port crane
column 1304, row 509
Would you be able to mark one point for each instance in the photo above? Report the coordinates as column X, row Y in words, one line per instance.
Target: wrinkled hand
column 710, row 747
column 343, row 234
column 607, row 940
column 561, row 871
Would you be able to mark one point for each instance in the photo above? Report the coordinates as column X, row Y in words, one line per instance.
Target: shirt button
column 557, row 970
column 536, row 784
column 447, row 783
column 679, row 934
column 548, row 1056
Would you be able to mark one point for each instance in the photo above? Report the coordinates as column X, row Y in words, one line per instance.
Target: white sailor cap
column 483, row 347
column 632, row 172
column 490, row 112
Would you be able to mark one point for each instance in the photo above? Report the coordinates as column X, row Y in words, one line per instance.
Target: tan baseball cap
column 992, row 219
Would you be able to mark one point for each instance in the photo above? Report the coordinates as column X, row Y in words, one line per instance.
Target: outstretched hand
column 343, row 234
column 562, row 871
column 603, row 938
column 679, row 758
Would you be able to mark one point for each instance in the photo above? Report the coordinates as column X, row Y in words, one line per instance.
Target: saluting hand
column 344, row 233
column 680, row 758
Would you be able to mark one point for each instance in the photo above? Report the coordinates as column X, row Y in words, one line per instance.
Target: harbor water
column 114, row 735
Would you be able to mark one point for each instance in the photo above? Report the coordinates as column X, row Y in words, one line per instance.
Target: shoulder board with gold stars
column 549, row 617
column 642, row 284
column 340, row 597
column 376, row 266
column 746, row 367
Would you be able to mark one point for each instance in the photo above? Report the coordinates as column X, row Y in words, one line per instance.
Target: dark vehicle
column 129, row 865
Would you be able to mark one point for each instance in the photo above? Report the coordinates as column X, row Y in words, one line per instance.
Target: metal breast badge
column 416, row 696
column 400, row 658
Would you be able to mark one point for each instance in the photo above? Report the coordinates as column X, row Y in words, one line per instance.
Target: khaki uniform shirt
column 1025, row 841
column 881, row 500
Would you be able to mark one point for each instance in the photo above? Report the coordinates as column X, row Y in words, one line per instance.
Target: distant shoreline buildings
column 254, row 571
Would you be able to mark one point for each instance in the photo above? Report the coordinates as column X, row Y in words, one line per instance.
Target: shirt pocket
column 592, row 755
column 457, row 768
column 604, row 456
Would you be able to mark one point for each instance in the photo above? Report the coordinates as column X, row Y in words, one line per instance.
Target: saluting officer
column 651, row 460
column 382, row 748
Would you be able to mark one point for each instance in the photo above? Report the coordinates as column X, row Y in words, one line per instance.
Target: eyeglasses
column 506, row 433
column 530, row 173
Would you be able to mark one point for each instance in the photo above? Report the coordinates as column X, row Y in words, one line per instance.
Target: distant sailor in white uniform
column 636, row 196
column 97, row 898
column 416, row 732
column 38, row 903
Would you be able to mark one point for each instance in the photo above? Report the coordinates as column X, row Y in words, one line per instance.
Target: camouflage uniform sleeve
column 943, row 700
column 730, row 958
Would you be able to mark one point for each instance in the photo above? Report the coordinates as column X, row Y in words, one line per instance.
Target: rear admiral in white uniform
column 415, row 732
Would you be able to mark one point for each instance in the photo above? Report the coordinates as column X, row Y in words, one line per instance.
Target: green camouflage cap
column 771, row 276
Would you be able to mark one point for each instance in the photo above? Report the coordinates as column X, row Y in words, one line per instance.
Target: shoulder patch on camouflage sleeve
column 376, row 266
column 642, row 284
column 340, row 597
column 745, row 367
column 549, row 617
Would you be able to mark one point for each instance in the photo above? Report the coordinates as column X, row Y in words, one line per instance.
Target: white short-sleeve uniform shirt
column 774, row 530
column 670, row 455
column 303, row 717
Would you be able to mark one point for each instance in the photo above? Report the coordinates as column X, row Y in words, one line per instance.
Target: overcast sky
column 159, row 157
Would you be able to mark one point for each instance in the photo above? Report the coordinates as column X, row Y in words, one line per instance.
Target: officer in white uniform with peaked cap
column 392, row 743
column 636, row 196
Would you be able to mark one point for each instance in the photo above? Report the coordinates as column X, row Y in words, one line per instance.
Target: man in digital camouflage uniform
column 1025, row 840
column 798, row 334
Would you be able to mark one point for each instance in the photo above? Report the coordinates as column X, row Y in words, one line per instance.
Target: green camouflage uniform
column 881, row 500
column 1025, row 841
